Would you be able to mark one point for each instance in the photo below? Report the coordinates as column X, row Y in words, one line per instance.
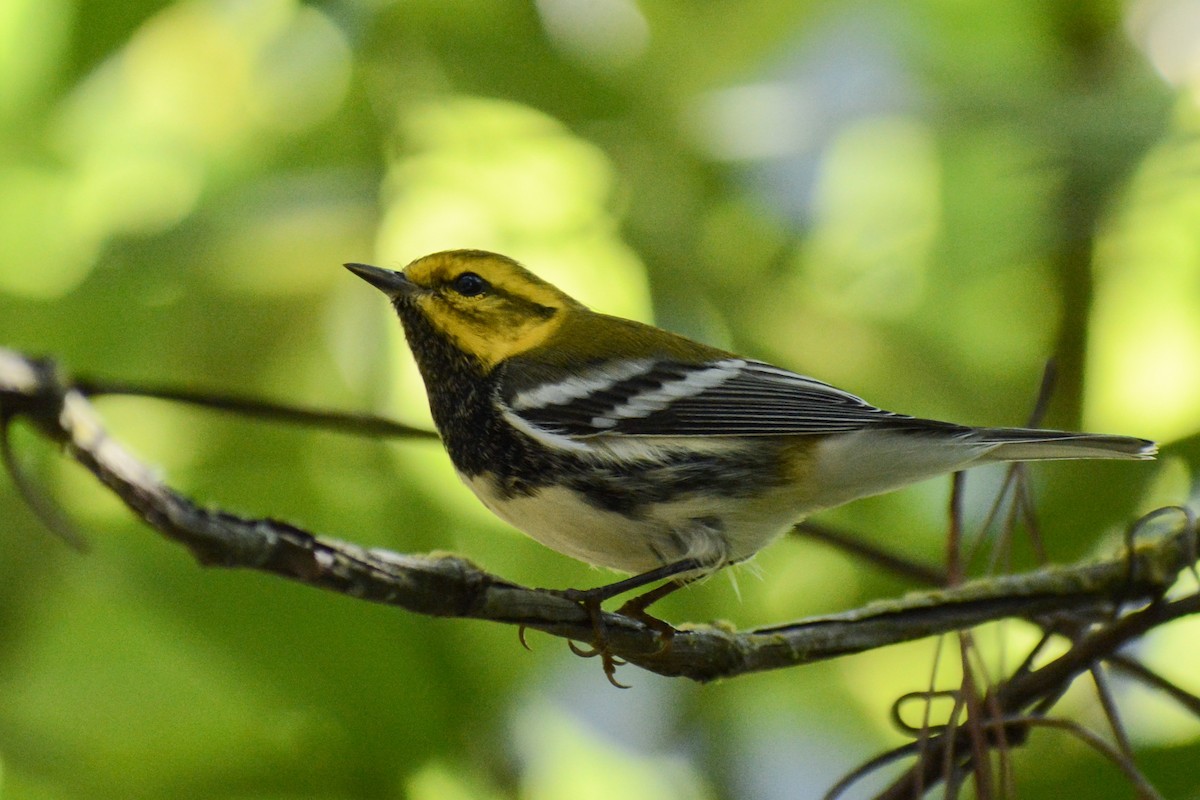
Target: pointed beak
column 385, row 280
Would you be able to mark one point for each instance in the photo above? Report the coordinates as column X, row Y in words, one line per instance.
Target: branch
column 38, row 392
column 1038, row 689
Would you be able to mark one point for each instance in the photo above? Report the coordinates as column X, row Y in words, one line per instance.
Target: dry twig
column 1103, row 604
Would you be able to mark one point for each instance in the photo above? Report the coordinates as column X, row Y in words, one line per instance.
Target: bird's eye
column 469, row 284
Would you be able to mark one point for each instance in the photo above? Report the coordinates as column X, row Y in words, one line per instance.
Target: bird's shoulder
column 615, row 376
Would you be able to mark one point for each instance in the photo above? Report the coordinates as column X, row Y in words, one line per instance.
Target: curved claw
column 610, row 670
column 590, row 600
column 583, row 652
column 608, row 660
column 521, row 637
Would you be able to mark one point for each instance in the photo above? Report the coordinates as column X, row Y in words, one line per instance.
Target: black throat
column 461, row 396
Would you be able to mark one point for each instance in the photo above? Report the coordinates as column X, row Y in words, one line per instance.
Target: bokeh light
column 919, row 202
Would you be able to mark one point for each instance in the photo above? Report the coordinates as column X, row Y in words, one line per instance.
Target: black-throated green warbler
column 629, row 447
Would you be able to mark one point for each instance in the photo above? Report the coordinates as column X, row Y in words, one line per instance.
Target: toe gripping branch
column 676, row 576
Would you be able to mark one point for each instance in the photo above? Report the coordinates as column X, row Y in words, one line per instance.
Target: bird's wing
column 655, row 397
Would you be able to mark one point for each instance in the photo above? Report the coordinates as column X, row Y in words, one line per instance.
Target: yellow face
column 489, row 305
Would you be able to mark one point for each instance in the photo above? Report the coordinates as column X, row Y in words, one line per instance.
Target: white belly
column 713, row 531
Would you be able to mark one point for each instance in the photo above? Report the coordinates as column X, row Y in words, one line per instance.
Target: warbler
column 629, row 447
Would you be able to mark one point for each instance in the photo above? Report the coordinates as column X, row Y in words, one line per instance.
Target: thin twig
column 354, row 424
column 1038, row 687
column 1045, row 391
column 980, row 746
column 954, row 562
column 1109, row 704
column 1145, row 791
column 1139, row 671
column 872, row 765
column 924, row 733
column 38, row 503
column 909, row 569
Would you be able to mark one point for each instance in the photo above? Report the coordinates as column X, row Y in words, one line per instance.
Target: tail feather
column 1032, row 444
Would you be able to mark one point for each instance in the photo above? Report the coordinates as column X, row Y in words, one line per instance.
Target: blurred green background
column 919, row 202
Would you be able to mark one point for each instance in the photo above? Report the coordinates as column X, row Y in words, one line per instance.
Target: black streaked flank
column 479, row 441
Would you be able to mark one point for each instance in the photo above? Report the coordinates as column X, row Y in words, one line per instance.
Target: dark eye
column 469, row 284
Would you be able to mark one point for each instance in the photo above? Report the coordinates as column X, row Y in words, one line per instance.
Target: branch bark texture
column 38, row 392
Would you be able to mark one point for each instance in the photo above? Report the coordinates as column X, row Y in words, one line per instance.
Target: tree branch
column 36, row 391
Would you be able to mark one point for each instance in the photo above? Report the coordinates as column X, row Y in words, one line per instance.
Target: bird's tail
column 1031, row 444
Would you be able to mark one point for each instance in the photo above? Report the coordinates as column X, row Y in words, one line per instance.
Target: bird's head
column 486, row 305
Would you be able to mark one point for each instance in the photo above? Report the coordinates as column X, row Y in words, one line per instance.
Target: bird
column 626, row 446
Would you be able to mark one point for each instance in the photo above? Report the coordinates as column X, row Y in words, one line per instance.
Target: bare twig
column 1111, row 712
column 36, row 392
column 914, row 571
column 1038, row 689
column 1142, row 786
column 354, row 424
column 1139, row 671
column 41, row 506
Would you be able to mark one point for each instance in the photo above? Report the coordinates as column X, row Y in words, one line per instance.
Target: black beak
column 385, row 280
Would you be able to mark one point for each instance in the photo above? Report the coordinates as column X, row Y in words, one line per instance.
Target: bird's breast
column 634, row 517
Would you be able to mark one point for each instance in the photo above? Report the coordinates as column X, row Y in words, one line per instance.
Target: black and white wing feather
column 649, row 397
